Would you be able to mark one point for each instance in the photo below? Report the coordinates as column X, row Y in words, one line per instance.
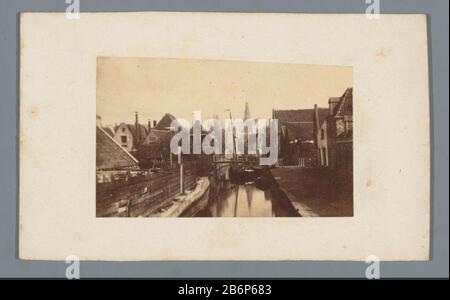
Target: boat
column 258, row 170
column 263, row 183
column 240, row 174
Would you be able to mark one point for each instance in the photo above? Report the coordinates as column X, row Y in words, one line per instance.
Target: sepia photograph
column 168, row 140
column 222, row 138
column 183, row 140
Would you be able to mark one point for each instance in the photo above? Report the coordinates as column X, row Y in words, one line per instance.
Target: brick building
column 335, row 140
column 297, row 132
column 130, row 136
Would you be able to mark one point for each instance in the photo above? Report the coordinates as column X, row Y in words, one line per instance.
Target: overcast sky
column 155, row 86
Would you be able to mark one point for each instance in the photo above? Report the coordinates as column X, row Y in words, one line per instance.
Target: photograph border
column 11, row 266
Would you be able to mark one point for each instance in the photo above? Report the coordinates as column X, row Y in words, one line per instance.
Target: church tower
column 246, row 112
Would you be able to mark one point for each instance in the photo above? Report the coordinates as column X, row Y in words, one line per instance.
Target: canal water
column 242, row 200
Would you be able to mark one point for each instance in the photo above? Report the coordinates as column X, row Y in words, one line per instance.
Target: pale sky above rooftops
column 155, row 86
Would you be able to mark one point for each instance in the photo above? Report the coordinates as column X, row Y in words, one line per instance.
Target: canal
column 244, row 200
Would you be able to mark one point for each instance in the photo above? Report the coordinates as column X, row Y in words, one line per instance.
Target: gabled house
column 155, row 146
column 165, row 122
column 297, row 130
column 130, row 136
column 156, row 136
column 336, row 134
column 111, row 156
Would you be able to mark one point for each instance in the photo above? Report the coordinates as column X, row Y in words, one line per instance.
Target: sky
column 155, row 86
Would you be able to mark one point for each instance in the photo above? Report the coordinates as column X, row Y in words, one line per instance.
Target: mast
column 234, row 139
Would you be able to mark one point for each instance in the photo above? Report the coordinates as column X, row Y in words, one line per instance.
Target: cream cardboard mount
column 391, row 156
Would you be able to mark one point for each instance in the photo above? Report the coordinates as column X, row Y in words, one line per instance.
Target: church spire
column 246, row 112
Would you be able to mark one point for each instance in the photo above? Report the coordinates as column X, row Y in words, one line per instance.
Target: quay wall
column 143, row 195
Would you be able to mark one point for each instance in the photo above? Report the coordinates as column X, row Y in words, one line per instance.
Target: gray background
column 10, row 266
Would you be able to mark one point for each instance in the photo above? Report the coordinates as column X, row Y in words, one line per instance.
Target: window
column 123, row 139
column 322, row 134
column 123, row 129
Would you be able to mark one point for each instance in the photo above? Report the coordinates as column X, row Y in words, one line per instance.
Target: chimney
column 246, row 112
column 138, row 132
column 149, row 125
column 154, row 123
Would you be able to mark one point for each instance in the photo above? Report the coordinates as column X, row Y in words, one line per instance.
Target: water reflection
column 240, row 201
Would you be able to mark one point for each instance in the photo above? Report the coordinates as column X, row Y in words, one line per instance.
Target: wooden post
column 180, row 162
column 181, row 180
column 128, row 208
